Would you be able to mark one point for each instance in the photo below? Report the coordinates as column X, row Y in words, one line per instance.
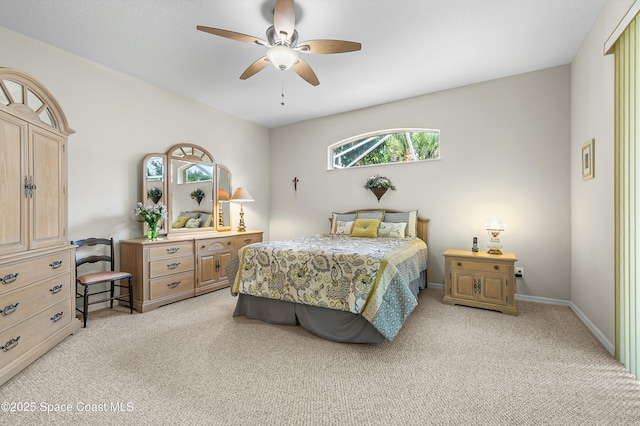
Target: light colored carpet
column 192, row 363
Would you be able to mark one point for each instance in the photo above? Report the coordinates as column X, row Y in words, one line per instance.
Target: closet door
column 49, row 198
column 13, row 194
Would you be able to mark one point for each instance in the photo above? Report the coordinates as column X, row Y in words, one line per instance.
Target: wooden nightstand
column 481, row 280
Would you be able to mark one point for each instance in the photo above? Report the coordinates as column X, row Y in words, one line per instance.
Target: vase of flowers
column 197, row 195
column 152, row 215
column 379, row 185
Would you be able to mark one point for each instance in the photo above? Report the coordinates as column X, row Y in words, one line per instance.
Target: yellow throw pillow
column 365, row 228
column 180, row 222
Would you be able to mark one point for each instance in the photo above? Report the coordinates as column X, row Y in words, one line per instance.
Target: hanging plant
column 379, row 185
column 197, row 195
column 154, row 194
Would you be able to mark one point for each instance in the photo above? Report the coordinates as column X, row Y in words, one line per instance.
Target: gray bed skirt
column 330, row 324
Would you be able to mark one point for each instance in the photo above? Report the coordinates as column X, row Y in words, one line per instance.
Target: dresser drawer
column 172, row 265
column 170, row 250
column 478, row 266
column 19, row 274
column 214, row 244
column 246, row 240
column 171, row 285
column 19, row 304
column 25, row 335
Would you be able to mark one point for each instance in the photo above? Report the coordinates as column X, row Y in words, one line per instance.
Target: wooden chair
column 86, row 255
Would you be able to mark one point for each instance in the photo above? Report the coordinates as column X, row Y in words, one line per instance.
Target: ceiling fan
column 282, row 41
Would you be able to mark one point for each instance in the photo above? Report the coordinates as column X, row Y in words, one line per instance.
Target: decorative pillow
column 205, row 220
column 180, row 222
column 343, row 217
column 371, row 215
column 343, row 228
column 392, row 230
column 365, row 228
column 410, row 218
column 193, row 215
column 192, row 223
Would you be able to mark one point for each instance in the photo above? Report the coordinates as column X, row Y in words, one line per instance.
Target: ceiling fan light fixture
column 282, row 57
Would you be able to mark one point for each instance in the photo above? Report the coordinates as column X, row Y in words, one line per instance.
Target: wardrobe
column 37, row 263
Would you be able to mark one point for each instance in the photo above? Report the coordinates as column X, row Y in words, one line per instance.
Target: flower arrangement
column 198, row 193
column 151, row 215
column 378, row 181
column 154, row 192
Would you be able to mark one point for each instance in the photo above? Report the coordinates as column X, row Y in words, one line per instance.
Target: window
column 384, row 147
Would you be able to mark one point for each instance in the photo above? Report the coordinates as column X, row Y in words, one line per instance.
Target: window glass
column 384, row 147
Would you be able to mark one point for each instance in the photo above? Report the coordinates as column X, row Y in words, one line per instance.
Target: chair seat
column 98, row 277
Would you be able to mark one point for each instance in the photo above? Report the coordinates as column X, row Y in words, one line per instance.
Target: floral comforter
column 367, row 276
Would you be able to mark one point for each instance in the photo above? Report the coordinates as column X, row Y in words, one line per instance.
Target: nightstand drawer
column 478, row 266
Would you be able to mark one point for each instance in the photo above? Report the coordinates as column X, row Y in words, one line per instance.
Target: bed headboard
column 422, row 222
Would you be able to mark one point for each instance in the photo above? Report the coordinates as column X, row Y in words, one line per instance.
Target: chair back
column 82, row 258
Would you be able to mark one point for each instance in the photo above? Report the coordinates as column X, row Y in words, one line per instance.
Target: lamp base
column 241, row 227
column 494, row 251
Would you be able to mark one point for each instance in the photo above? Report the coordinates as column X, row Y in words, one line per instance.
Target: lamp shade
column 223, row 195
column 282, row 57
column 495, row 224
column 241, row 195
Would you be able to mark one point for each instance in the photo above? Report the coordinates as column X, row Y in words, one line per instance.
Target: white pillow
column 343, row 228
column 392, row 230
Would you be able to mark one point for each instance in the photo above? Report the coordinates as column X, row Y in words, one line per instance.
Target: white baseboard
column 536, row 299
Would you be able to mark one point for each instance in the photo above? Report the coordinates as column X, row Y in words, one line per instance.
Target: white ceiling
column 409, row 47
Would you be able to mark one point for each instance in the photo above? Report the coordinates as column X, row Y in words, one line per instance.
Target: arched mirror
column 154, row 184
column 192, row 180
column 224, row 195
column 194, row 188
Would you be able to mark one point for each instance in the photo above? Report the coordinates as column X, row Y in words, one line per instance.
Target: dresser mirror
column 194, row 188
column 154, row 184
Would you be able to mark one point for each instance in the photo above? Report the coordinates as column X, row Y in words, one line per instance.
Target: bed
column 358, row 284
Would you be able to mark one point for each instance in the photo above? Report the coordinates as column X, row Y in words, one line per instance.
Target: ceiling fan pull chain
column 282, row 102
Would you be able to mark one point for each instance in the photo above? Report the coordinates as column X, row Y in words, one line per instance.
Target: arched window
column 384, row 147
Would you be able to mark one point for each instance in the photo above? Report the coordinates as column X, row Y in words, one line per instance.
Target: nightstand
column 480, row 280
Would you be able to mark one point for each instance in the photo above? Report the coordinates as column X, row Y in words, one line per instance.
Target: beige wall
column 592, row 224
column 118, row 119
column 505, row 151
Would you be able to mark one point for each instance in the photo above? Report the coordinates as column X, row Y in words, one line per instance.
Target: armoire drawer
column 170, row 250
column 17, row 340
column 19, row 274
column 19, row 304
column 162, row 267
column 170, row 285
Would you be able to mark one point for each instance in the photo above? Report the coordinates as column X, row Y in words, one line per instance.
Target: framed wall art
column 588, row 159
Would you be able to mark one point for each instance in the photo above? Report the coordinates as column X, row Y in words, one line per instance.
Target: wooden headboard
column 423, row 230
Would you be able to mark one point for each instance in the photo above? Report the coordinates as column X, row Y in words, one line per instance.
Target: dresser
column 37, row 264
column 180, row 267
column 480, row 280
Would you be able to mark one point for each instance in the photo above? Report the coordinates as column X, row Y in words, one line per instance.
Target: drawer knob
column 10, row 344
column 9, row 309
column 459, row 263
column 57, row 317
column 496, row 267
column 173, row 265
column 56, row 289
column 248, row 240
column 9, row 278
column 228, row 243
column 55, row 264
column 174, row 284
column 172, row 250
column 202, row 247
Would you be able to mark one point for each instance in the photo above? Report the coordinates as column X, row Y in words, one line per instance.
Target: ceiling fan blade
column 284, row 19
column 233, row 35
column 318, row 47
column 304, row 70
column 255, row 67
